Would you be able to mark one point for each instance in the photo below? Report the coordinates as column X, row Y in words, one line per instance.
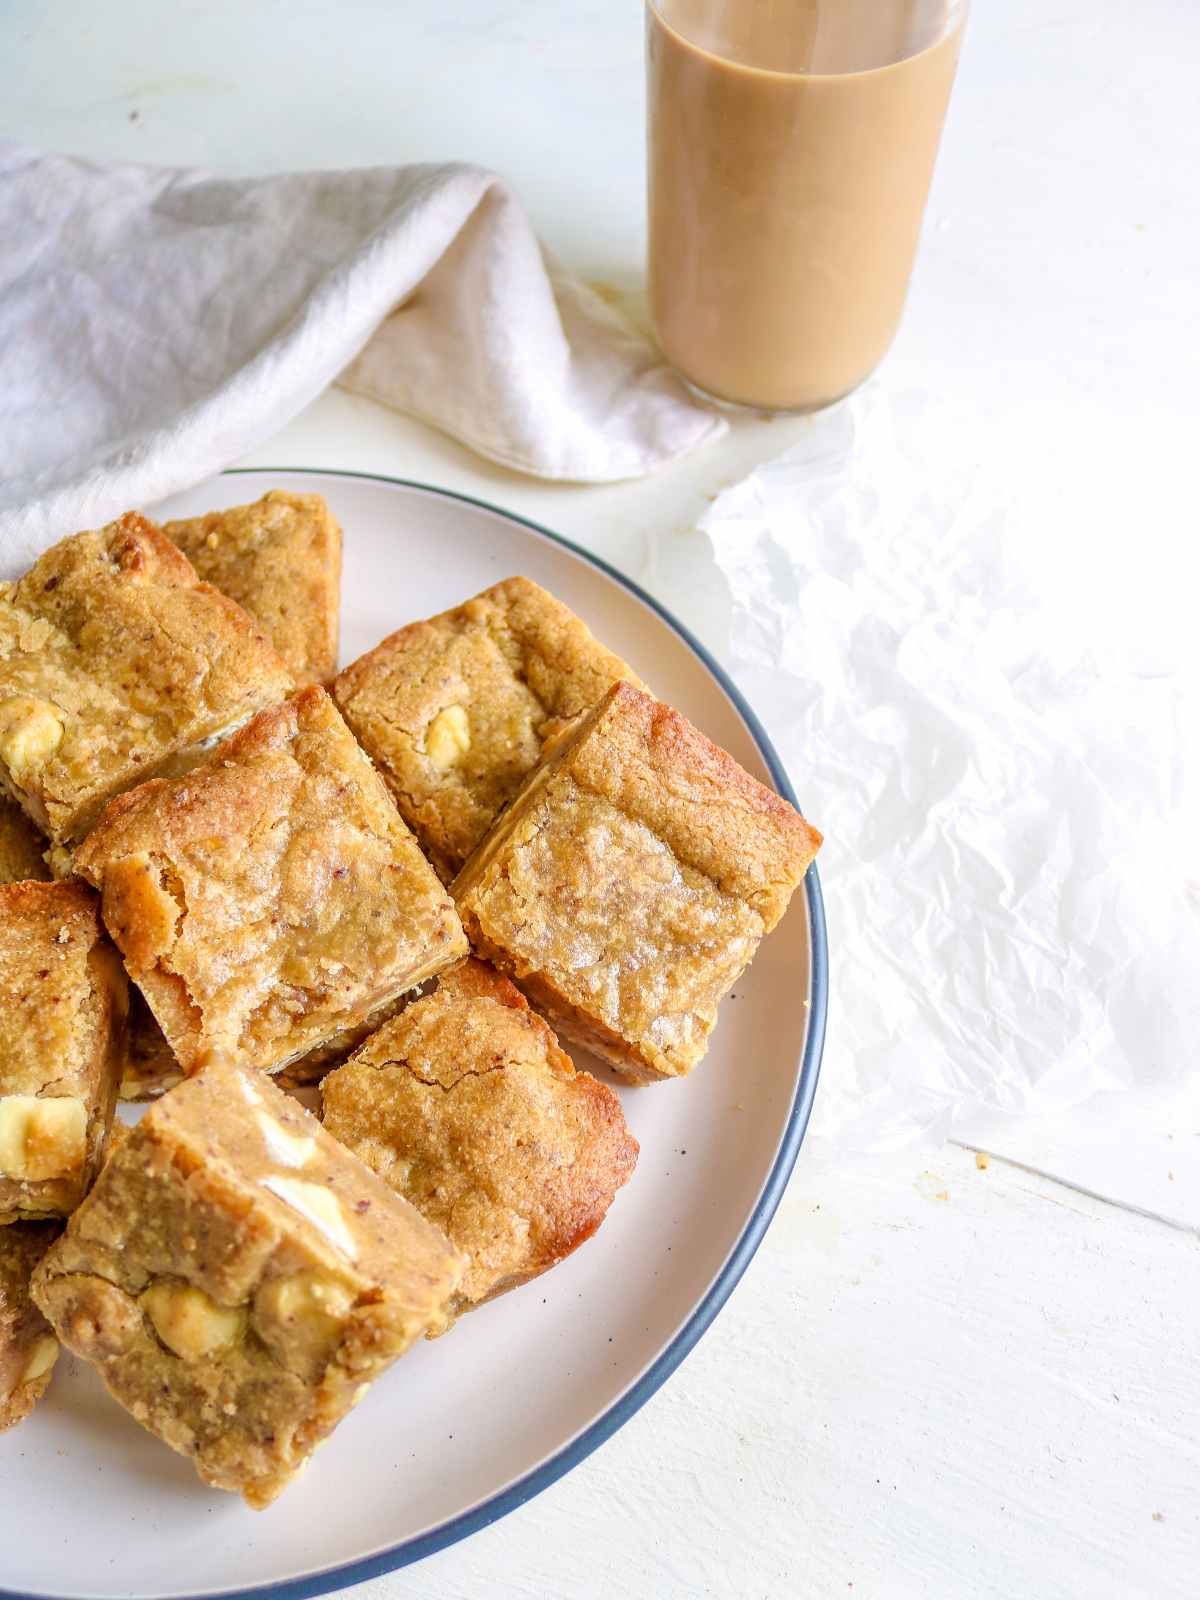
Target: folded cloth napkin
column 156, row 323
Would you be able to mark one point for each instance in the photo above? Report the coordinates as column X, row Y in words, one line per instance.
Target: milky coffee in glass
column 791, row 146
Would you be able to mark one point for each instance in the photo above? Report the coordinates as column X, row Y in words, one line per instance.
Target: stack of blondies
column 238, row 887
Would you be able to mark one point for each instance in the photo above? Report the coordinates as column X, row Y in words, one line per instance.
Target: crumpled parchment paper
column 977, row 657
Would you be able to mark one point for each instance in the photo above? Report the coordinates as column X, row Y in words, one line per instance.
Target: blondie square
column 63, row 1008
column 280, row 558
column 28, row 1348
column 239, row 1279
column 272, row 897
column 630, row 881
column 117, row 662
column 466, row 1105
column 22, row 847
column 455, row 711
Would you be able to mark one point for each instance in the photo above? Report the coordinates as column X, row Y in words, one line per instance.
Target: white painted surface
column 911, row 1395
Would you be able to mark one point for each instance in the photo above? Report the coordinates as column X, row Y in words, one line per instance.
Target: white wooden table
column 937, row 1378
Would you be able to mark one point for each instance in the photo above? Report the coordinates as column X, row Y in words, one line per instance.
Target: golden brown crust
column 273, row 897
column 27, row 1345
column 280, row 558
column 238, row 1279
column 653, row 764
column 115, row 662
column 22, row 847
column 63, row 1010
column 466, row 1105
column 630, row 882
column 578, row 1023
column 456, row 710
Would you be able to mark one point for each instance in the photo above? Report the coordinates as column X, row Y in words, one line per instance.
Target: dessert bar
column 116, row 662
column 272, row 898
column 468, row 1107
column 456, row 710
column 239, row 1279
column 280, row 558
column 630, row 881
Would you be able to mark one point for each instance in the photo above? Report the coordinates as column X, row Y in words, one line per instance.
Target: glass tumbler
column 791, row 148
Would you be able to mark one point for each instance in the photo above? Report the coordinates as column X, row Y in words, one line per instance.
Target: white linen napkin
column 157, row 323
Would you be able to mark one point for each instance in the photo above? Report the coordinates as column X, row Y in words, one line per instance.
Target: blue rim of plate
column 722, row 1286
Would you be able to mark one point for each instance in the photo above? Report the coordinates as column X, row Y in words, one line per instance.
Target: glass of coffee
column 791, row 147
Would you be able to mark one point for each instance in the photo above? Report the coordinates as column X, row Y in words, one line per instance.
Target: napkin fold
column 156, row 323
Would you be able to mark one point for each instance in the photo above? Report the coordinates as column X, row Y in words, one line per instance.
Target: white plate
column 467, row 1427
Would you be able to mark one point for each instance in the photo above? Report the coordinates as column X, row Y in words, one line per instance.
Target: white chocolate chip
column 448, row 737
column 290, row 1150
column 30, row 732
column 41, row 1358
column 320, row 1206
column 308, row 1296
column 41, row 1138
column 188, row 1322
column 302, row 1318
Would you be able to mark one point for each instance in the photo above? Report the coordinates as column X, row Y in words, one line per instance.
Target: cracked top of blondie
column 467, row 1106
column 272, row 897
column 455, row 711
column 115, row 662
column 631, row 880
column 280, row 558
